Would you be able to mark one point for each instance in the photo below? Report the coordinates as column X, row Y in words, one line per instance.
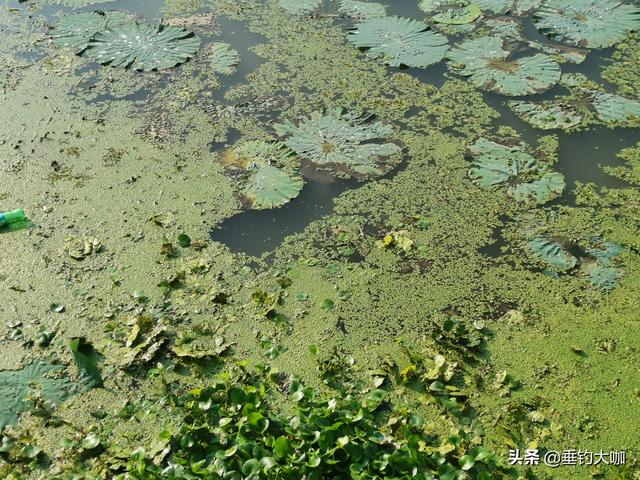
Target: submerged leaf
column 300, row 7
column 548, row 116
column 485, row 61
column 552, row 253
column 85, row 363
column 223, row 58
column 400, row 41
column 550, row 185
column 143, row 46
column 75, row 31
column 588, row 23
column 270, row 187
column 360, row 10
column 339, row 138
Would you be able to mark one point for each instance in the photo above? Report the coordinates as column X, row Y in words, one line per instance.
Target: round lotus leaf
column 223, row 58
column 361, row 10
column 75, row 31
column 552, row 253
column 143, row 46
column 458, row 16
column 487, row 64
column 270, row 187
column 257, row 153
column 614, row 108
column 400, row 41
column 300, row 7
column 588, row 23
column 339, row 138
column 430, row 6
column 502, row 7
column 547, row 116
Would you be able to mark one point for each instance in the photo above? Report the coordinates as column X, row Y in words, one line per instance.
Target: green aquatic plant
column 19, row 389
column 488, row 65
column 300, row 7
column 552, row 252
column 143, row 46
column 497, row 165
column 602, row 273
column 86, row 361
column 270, row 187
column 399, row 41
column 458, row 16
column 502, row 7
column 75, row 31
column 547, row 116
column 588, row 23
column 361, row 10
column 430, row 6
column 341, row 139
column 223, row 58
column 70, row 3
column 614, row 108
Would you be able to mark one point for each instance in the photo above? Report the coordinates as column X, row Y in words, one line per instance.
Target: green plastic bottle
column 11, row 217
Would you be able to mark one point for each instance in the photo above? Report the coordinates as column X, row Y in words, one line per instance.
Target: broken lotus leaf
column 547, row 116
column 143, row 46
column 588, row 23
column 223, row 58
column 399, row 41
column 256, row 153
column 487, row 64
column 87, row 365
column 75, row 31
column 270, row 187
column 300, row 7
column 552, row 253
column 19, row 387
column 498, row 165
column 458, row 16
column 339, row 138
column 602, row 273
column 502, row 7
column 360, row 10
column 80, row 248
column 430, row 6
column 614, row 108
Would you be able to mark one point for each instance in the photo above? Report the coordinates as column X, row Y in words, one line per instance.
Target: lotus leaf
column 143, row 46
column 547, row 116
column 300, row 7
column 604, row 277
column 223, row 58
column 614, row 108
column 588, row 23
column 487, row 64
column 550, row 185
column 400, row 41
column 270, row 187
column 339, row 138
column 253, row 154
column 502, row 7
column 19, row 387
column 87, row 365
column 458, row 16
column 497, row 165
column 359, row 9
column 552, row 253
column 430, row 6
column 75, row 31
column 72, row 3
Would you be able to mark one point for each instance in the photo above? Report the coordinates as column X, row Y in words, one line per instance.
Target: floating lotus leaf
column 223, row 58
column 547, row 116
column 143, row 46
column 497, row 165
column 358, row 9
column 254, row 154
column 539, row 191
column 339, row 138
column 71, row 3
column 17, row 388
column 270, row 187
column 487, row 64
column 300, row 7
column 614, row 108
column 502, row 7
column 588, row 23
column 400, row 41
column 604, row 277
column 458, row 16
column 552, row 253
column 75, row 31
column 605, row 251
column 430, row 6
